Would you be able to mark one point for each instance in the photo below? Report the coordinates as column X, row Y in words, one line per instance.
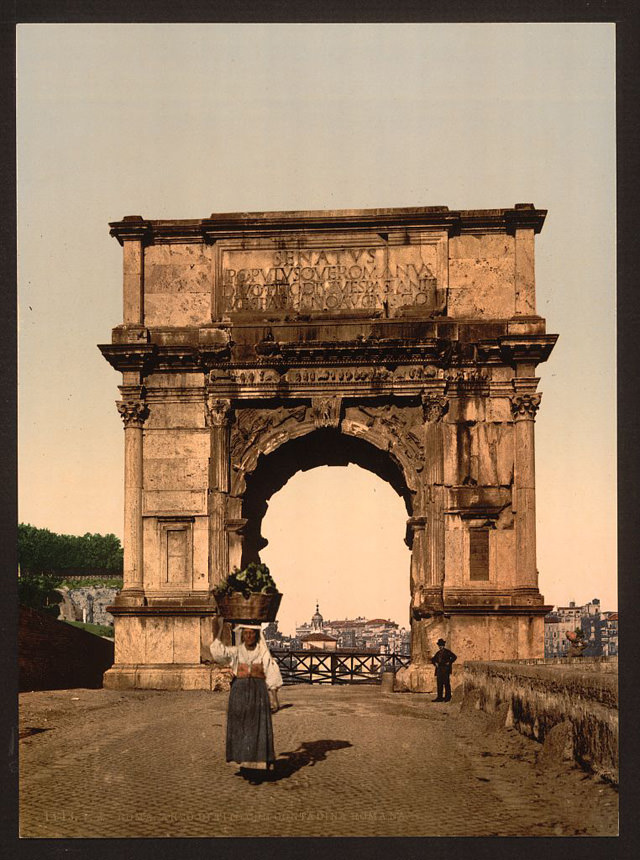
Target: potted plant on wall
column 248, row 595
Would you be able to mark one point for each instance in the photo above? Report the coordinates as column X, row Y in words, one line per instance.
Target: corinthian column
column 523, row 408
column 217, row 417
column 434, row 407
column 134, row 413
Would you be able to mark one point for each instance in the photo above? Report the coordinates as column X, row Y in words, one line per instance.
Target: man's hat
column 441, row 642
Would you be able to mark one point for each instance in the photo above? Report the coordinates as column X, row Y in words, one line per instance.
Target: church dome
column 317, row 619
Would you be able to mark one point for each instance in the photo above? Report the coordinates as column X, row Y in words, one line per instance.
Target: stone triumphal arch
column 254, row 345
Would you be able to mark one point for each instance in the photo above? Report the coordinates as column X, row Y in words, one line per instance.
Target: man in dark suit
column 443, row 660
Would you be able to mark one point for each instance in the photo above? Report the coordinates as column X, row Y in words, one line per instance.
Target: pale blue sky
column 178, row 121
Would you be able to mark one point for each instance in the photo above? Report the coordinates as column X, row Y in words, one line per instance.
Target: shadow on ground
column 306, row 755
column 289, row 763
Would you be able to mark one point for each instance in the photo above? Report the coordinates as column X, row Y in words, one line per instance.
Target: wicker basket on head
column 257, row 607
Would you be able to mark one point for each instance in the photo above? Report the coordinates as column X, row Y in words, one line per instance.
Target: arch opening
column 323, row 447
column 335, row 535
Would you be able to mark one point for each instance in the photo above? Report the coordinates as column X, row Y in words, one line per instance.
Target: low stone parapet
column 534, row 696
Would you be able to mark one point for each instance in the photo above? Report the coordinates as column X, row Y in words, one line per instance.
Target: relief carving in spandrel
column 325, row 411
column 252, row 425
column 400, row 426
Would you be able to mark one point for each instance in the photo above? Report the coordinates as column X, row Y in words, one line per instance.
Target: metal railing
column 336, row 667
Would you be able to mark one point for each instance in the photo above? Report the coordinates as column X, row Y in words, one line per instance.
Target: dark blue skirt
column 249, row 729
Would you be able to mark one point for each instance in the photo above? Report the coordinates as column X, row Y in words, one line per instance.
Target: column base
column 416, row 678
column 130, row 597
column 179, row 676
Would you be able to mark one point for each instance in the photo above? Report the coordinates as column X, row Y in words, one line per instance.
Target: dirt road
column 352, row 762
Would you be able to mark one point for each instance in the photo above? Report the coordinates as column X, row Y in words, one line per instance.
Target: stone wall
column 53, row 655
column 572, row 699
column 88, row 604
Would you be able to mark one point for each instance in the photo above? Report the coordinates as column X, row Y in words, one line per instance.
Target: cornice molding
column 526, row 348
column 466, row 362
column 488, row 609
column 132, row 228
column 137, row 357
column 381, row 221
column 169, row 609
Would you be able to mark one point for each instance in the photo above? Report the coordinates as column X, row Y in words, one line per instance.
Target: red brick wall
column 53, row 655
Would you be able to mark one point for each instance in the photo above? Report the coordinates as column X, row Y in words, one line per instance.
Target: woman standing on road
column 256, row 675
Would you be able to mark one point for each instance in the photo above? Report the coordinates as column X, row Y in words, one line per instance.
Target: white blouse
column 231, row 655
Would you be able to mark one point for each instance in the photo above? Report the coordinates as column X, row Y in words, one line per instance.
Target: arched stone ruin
column 255, row 345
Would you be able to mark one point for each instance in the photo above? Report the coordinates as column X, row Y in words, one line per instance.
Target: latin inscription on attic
column 331, row 279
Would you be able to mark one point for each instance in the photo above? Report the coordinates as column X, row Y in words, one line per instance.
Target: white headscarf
column 237, row 633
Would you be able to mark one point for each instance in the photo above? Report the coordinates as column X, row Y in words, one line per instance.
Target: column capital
column 524, row 406
column 434, row 406
column 133, row 412
column 217, row 411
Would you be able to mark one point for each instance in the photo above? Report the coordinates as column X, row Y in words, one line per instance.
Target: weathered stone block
column 188, row 474
column 174, row 502
column 454, row 553
column 415, row 678
column 558, row 746
column 158, row 634
column 178, row 268
column 182, row 309
column 466, row 407
column 129, row 639
column 531, row 637
column 177, row 444
column 186, row 640
column 505, row 563
column 175, row 415
column 150, row 553
column 503, row 638
column 119, row 678
column 495, row 450
column 481, row 276
column 201, row 552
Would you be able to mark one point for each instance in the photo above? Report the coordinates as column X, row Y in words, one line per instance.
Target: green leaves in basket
column 254, row 579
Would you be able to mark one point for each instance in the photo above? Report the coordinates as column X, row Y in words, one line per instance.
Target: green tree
column 43, row 551
column 37, row 591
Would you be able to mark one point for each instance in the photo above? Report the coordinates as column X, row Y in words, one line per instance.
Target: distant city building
column 378, row 635
column 599, row 629
column 319, row 642
column 609, row 634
